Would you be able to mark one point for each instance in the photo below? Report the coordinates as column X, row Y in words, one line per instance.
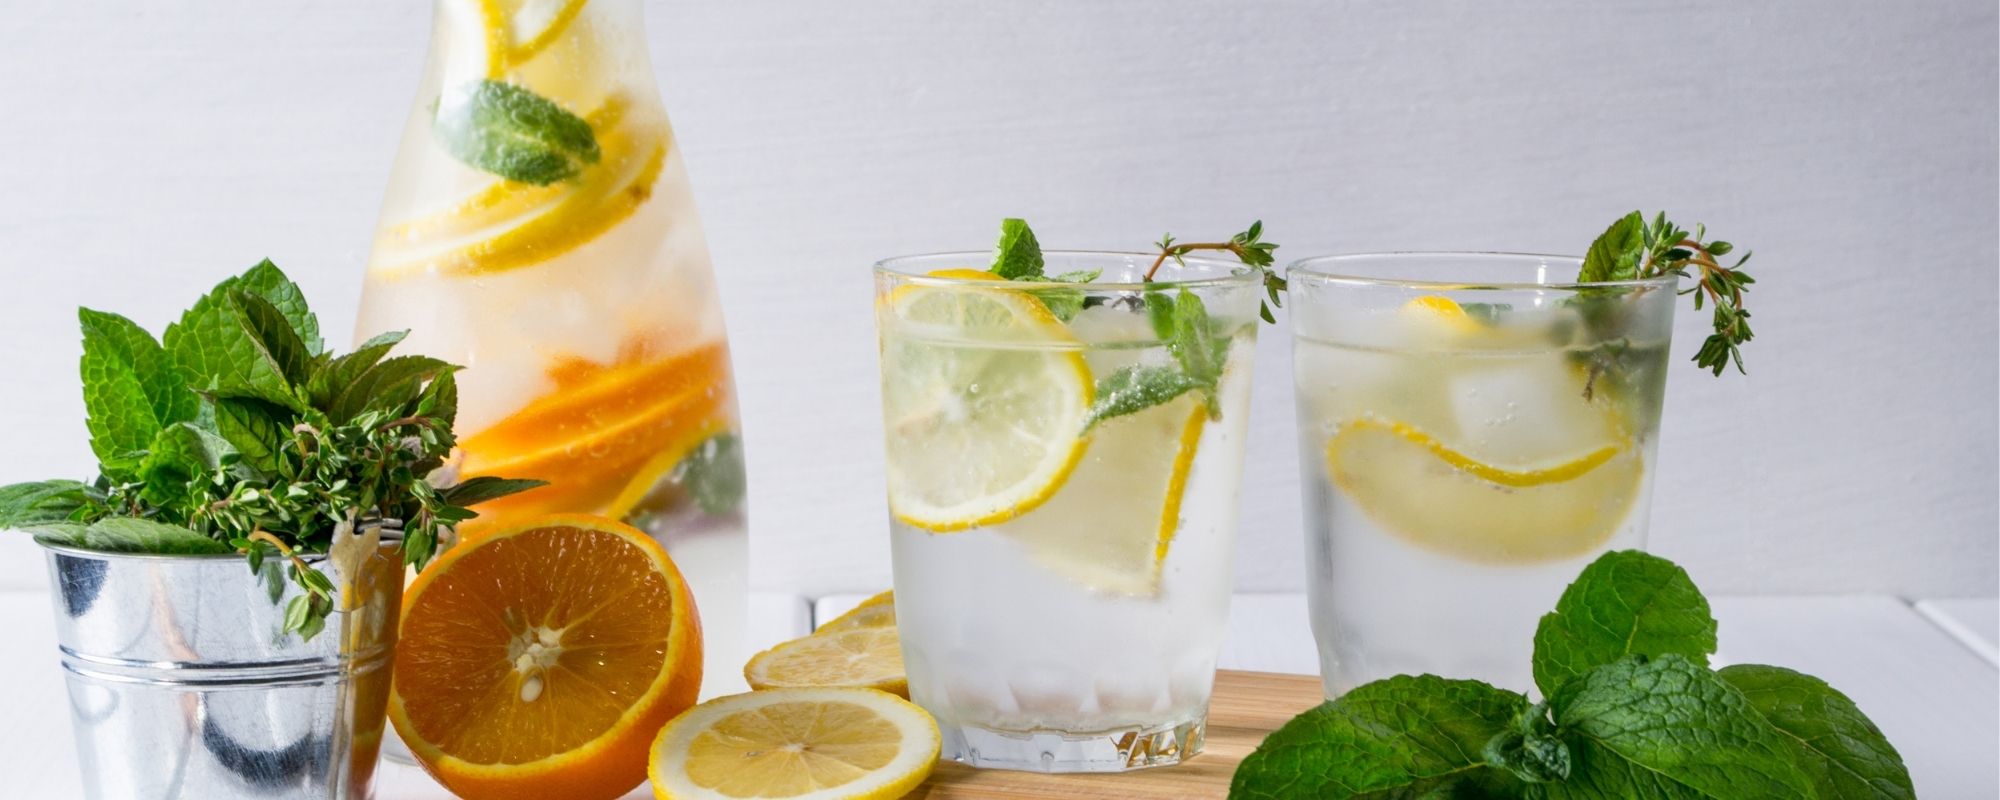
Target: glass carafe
column 539, row 230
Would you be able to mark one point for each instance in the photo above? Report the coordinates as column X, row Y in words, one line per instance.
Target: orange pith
column 601, row 425
column 539, row 659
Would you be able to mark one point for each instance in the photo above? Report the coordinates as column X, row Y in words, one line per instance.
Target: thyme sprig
column 1248, row 247
column 1634, row 249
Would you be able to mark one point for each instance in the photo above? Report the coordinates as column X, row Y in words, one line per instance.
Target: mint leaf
column 1403, row 737
column 275, row 333
column 713, row 474
column 1160, row 313
column 1530, row 750
column 1018, row 255
column 221, row 352
column 26, row 504
column 511, row 132
column 1625, row 603
column 130, row 390
column 1616, row 253
column 1136, row 388
column 335, row 375
column 1193, row 342
column 1200, row 352
column 486, row 487
column 255, row 429
column 181, row 453
column 135, row 535
column 265, row 280
column 386, row 387
column 1836, row 745
column 1668, row 727
column 439, row 398
column 1062, row 301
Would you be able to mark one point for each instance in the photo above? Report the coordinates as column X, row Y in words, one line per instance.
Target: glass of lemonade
column 1063, row 506
column 1473, row 429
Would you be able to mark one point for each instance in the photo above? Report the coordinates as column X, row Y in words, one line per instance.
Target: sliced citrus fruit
column 984, row 397
column 604, row 194
column 874, row 612
column 1441, row 314
column 601, row 425
column 870, row 658
column 648, row 479
column 1112, row 524
column 539, row 659
column 518, row 30
column 503, row 200
column 1444, row 499
column 796, row 744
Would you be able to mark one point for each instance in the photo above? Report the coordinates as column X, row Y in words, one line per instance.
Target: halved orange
column 539, row 659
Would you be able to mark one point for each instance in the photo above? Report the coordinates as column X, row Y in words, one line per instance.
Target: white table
column 1925, row 672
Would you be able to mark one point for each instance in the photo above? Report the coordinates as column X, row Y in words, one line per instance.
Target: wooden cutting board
column 1246, row 706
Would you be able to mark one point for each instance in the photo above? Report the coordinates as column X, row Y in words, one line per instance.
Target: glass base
column 1116, row 750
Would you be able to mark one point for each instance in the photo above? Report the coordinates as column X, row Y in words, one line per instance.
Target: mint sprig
column 1632, row 711
column 238, row 432
column 509, row 131
column 1199, row 348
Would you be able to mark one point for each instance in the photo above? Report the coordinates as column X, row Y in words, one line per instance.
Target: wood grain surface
column 1246, row 706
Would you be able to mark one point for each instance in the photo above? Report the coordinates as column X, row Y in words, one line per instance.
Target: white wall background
column 149, row 149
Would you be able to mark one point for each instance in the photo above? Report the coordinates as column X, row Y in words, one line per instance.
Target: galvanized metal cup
column 183, row 683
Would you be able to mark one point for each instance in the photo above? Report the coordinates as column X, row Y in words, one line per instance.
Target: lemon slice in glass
column 1111, row 526
column 1423, row 490
column 984, row 398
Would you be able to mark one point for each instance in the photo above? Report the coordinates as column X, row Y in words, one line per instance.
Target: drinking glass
column 1473, row 429
column 1062, row 483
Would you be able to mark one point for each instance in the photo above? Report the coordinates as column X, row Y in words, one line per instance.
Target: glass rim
column 1314, row 268
column 1238, row 272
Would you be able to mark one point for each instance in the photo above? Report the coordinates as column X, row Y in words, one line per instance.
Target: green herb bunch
column 1198, row 343
column 1633, row 249
column 1631, row 710
column 238, row 432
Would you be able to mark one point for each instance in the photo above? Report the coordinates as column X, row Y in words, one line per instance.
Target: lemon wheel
column 796, row 744
column 984, row 399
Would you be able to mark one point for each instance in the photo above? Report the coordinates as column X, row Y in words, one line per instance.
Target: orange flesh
column 614, row 609
column 600, row 425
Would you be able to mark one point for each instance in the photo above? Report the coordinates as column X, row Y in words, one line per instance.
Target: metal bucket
column 183, row 683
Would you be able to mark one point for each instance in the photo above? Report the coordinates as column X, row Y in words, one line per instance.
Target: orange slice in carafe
column 601, row 435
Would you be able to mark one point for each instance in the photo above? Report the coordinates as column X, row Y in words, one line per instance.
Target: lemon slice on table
column 984, row 398
column 796, row 744
column 1423, row 490
column 869, row 658
column 875, row 612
